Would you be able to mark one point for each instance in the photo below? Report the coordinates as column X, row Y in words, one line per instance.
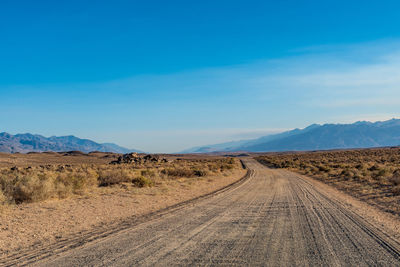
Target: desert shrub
column 395, row 179
column 142, row 181
column 374, row 168
column 346, row 173
column 359, row 166
column 231, row 161
column 357, row 177
column 178, row 172
column 323, row 168
column 225, row 167
column 200, row 173
column 40, row 182
column 148, row 173
column 396, row 190
column 116, row 176
column 31, row 188
column 304, row 166
column 3, row 198
column 381, row 173
column 75, row 181
column 212, row 167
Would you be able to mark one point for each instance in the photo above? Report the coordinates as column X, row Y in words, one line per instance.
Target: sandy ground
column 27, row 226
column 36, row 159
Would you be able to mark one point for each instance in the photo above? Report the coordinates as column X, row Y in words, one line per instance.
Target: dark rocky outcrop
column 135, row 158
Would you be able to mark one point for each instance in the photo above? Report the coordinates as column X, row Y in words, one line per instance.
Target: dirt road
column 274, row 218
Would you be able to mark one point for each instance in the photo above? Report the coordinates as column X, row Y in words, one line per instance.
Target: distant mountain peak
column 312, row 126
column 27, row 142
column 361, row 134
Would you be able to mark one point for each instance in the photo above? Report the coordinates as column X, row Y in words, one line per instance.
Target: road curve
column 274, row 218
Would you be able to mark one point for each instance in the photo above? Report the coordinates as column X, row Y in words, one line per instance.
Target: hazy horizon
column 236, row 136
column 163, row 77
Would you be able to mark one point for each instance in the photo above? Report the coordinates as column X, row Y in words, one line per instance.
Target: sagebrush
column 37, row 183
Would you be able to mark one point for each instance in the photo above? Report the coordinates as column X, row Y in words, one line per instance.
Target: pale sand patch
column 23, row 226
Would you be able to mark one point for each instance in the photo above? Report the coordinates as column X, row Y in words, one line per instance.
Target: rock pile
column 135, row 158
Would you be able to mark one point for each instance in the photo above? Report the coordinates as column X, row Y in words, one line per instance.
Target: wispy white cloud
column 340, row 79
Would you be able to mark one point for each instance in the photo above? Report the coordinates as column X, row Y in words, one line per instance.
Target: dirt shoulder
column 370, row 175
column 33, row 224
column 347, row 176
column 387, row 223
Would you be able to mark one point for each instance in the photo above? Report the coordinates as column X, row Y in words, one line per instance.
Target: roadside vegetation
column 372, row 175
column 57, row 181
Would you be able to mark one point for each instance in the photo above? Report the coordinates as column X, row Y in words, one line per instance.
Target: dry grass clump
column 142, row 181
column 114, row 176
column 396, row 177
column 38, row 183
column 3, row 198
column 184, row 172
column 200, row 167
column 370, row 174
column 148, row 173
column 119, row 176
column 178, row 172
column 395, row 180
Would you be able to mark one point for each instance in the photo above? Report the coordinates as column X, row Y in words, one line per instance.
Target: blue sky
column 162, row 76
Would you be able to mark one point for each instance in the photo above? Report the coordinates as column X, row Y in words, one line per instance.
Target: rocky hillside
column 36, row 143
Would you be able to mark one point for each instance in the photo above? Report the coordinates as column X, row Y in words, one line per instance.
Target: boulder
column 134, row 158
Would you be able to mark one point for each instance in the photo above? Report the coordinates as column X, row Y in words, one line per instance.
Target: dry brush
column 38, row 183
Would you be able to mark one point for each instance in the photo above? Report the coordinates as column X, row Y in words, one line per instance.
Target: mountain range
column 24, row 143
column 362, row 134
